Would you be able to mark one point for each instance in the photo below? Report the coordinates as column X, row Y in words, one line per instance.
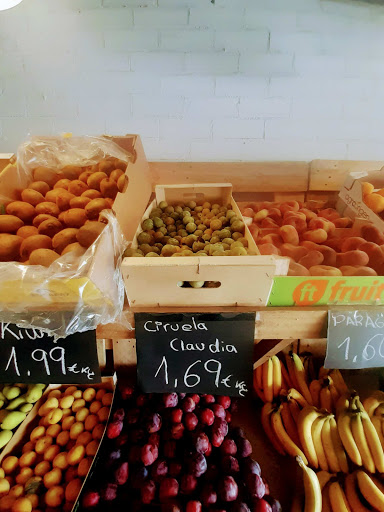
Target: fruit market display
column 328, row 429
column 374, row 199
column 48, row 472
column 191, row 230
column 59, row 212
column 16, row 401
column 176, row 452
column 308, row 234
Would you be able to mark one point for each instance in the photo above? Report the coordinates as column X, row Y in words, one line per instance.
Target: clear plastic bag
column 74, row 294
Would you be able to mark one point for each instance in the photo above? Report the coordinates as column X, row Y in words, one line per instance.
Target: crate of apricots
column 193, row 247
column 45, row 465
column 318, row 240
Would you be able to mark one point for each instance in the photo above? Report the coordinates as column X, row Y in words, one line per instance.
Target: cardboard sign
column 320, row 291
column 355, row 338
column 31, row 356
column 195, row 353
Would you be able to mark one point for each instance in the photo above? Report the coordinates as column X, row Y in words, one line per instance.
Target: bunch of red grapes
column 176, row 453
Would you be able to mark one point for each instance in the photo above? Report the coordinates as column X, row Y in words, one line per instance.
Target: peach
column 324, row 270
column 372, row 234
column 295, row 269
column 267, row 249
column 351, row 243
column 77, row 187
column 260, row 215
column 321, row 223
column 273, row 238
column 269, row 223
column 329, row 214
column 311, row 259
column 297, row 221
column 316, row 235
column 351, row 270
column 79, row 202
column 289, row 234
column 292, row 206
column 355, row 257
column 63, row 183
column 293, row 251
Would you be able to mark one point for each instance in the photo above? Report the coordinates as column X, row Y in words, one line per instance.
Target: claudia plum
column 228, row 489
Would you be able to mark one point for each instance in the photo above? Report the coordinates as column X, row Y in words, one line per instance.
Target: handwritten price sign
column 29, row 355
column 189, row 353
column 355, row 338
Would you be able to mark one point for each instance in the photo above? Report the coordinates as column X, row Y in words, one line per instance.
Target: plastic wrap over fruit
column 60, row 281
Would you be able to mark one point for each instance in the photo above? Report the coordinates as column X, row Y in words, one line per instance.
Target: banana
column 338, row 499
column 370, row 490
column 335, row 395
column 323, row 372
column 329, row 449
column 309, row 366
column 304, row 425
column 278, row 428
column 301, row 377
column 259, row 382
column 294, row 409
column 371, row 404
column 291, row 371
column 374, row 442
column 326, row 398
column 312, row 490
column 317, row 426
column 353, row 498
column 289, row 423
column 376, row 422
column 277, row 376
column 268, row 380
column 349, row 443
column 266, row 422
column 380, row 410
column 296, row 395
column 361, row 442
column 326, row 502
column 324, row 477
column 314, row 389
column 338, row 446
column 285, row 377
column 338, row 381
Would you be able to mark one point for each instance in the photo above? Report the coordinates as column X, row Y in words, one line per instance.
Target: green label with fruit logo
column 320, row 291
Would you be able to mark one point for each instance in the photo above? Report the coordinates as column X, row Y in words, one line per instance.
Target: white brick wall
column 238, row 80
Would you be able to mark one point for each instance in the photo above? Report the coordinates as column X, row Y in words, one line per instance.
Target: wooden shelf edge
column 271, row 323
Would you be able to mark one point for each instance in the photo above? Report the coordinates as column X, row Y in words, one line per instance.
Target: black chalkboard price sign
column 355, row 338
column 29, row 355
column 195, row 353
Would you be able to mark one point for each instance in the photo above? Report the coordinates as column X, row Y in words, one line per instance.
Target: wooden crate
column 243, row 281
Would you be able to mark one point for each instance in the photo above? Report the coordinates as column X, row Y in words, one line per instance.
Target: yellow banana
column 294, row 409
column 370, row 491
column 296, row 395
column 286, row 381
column 344, row 429
column 361, row 442
column 259, row 382
column 278, row 428
column 268, row 380
column 374, row 442
column 376, row 422
column 335, row 395
column 326, row 502
column 370, row 405
column 338, row 446
column 338, row 381
column 312, row 490
column 304, row 425
column 277, row 377
column 314, row 389
column 289, row 423
column 301, row 377
column 266, row 412
column 326, row 399
column 329, row 449
column 352, row 494
column 379, row 410
column 291, row 371
column 338, row 499
column 317, row 426
column 324, row 477
column 344, row 403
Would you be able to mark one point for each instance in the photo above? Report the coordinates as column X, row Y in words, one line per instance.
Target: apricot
column 70, row 390
column 40, row 186
column 91, row 448
column 17, row 491
column 4, row 486
column 324, row 270
column 78, row 404
column 77, row 394
column 52, row 195
column 343, row 222
column 31, row 196
column 22, row 505
column 42, row 468
column 72, row 172
column 108, row 188
column 122, row 183
column 52, row 478
column 54, row 496
column 66, row 413
column 86, row 436
column 79, row 202
column 73, row 490
column 76, row 429
column 100, row 393
column 351, row 243
column 6, row 503
column 98, row 431
column 77, row 187
column 51, row 452
column 61, row 461
column 26, row 231
column 21, row 209
column 92, row 420
column 54, row 416
column 75, row 248
column 28, row 459
column 103, row 414
column 89, row 394
column 81, row 414
column 95, row 407
column 25, row 473
column 116, row 174
column 75, row 217
column 289, row 235
column 366, row 188
column 311, row 259
column 84, row 176
column 329, row 214
column 63, row 438
column 37, row 433
column 315, row 235
column 48, row 207
column 95, row 207
column 106, row 400
column 95, row 180
column 355, row 257
column 70, row 473
column 43, row 444
column 375, row 202
column 76, row 453
column 10, row 464
column 50, row 176
column 66, row 401
column 49, row 405
column 67, row 422
column 34, row 499
column 107, row 166
column 322, row 223
column 84, row 467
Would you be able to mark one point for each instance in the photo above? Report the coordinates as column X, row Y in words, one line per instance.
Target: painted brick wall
column 239, row 80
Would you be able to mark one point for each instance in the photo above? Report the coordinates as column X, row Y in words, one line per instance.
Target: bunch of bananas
column 326, row 492
column 16, row 400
